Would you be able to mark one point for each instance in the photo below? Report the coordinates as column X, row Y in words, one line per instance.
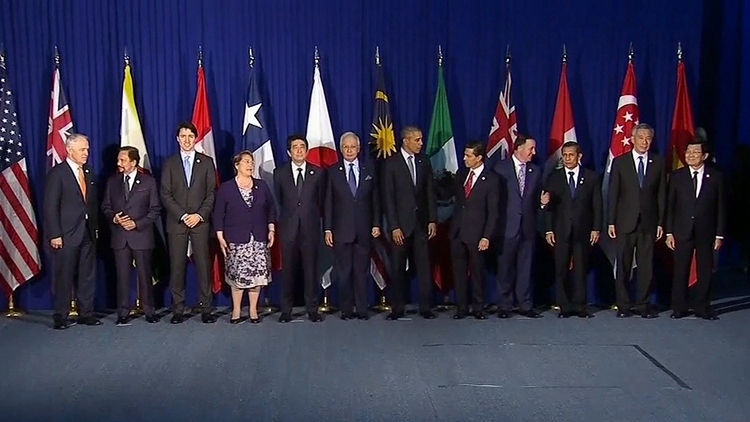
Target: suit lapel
column 406, row 170
column 705, row 182
column 362, row 176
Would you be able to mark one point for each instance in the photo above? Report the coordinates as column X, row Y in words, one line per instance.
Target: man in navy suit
column 300, row 192
column 637, row 205
column 473, row 224
column 352, row 216
column 131, row 205
column 411, row 212
column 70, row 219
column 520, row 192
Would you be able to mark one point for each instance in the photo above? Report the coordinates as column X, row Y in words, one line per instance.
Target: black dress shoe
column 235, row 320
column 346, row 316
column 624, row 314
column 649, row 313
column 255, row 320
column 479, row 315
column 314, row 317
column 678, row 315
column 585, row 314
column 427, row 315
column 393, row 316
column 152, row 319
column 530, row 314
column 177, row 319
column 460, row 315
column 61, row 324
column 565, row 314
column 90, row 321
column 709, row 316
column 285, row 317
column 363, row 317
column 208, row 318
column 503, row 314
column 122, row 321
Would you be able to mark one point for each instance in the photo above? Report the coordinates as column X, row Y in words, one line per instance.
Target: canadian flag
column 205, row 145
column 563, row 125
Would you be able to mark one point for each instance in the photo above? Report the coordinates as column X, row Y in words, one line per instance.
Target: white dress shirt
column 132, row 175
column 295, row 172
column 575, row 170
column 477, row 171
column 356, row 170
column 635, row 156
column 701, row 171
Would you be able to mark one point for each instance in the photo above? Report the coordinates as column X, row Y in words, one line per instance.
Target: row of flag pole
column 18, row 264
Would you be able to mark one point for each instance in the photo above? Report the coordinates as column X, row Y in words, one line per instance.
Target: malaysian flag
column 19, row 255
column 504, row 130
column 60, row 124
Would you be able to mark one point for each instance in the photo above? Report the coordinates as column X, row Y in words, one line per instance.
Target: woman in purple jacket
column 244, row 217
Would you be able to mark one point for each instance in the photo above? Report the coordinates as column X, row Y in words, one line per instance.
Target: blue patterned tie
column 522, row 177
column 188, row 170
column 571, row 184
column 641, row 172
column 352, row 180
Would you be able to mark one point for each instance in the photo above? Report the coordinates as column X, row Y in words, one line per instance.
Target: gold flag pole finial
column 679, row 51
column 200, row 56
column 440, row 55
column 250, row 57
column 631, row 53
column 377, row 55
column 565, row 54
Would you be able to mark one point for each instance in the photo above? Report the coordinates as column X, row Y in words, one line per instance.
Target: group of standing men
column 495, row 212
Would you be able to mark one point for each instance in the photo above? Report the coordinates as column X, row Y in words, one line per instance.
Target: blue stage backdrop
column 162, row 38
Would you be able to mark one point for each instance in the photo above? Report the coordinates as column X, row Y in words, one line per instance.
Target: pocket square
column 368, row 177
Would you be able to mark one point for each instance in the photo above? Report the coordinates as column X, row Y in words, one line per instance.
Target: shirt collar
column 477, row 171
column 406, row 154
column 700, row 170
column 516, row 161
column 575, row 170
column 190, row 154
column 132, row 174
column 355, row 162
column 636, row 155
column 73, row 165
column 295, row 167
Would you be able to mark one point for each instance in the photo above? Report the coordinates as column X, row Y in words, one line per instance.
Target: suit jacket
column 628, row 201
column 352, row 217
column 578, row 215
column 66, row 214
column 142, row 206
column 518, row 213
column 704, row 216
column 408, row 207
column 300, row 214
column 475, row 216
column 236, row 219
column 179, row 199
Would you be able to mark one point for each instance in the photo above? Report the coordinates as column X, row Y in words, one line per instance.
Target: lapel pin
column 312, row 172
column 483, row 178
column 581, row 181
column 137, row 181
column 530, row 169
column 650, row 161
column 198, row 160
column 707, row 175
column 341, row 168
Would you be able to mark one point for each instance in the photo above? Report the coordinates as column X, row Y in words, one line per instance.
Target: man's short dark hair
column 477, row 148
column 133, row 153
column 189, row 126
column 293, row 138
column 521, row 140
column 573, row 144
column 701, row 142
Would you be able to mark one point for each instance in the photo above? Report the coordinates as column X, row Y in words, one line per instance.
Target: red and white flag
column 205, row 145
column 563, row 124
column 19, row 253
column 504, row 130
column 60, row 124
column 320, row 140
column 683, row 131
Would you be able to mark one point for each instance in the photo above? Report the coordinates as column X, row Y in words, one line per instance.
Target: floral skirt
column 248, row 265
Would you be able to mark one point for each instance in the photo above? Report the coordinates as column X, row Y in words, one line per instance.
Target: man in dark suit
column 70, row 219
column 573, row 221
column 300, row 191
column 411, row 213
column 520, row 193
column 131, row 204
column 188, row 184
column 352, row 218
column 695, row 225
column 477, row 190
column 637, row 203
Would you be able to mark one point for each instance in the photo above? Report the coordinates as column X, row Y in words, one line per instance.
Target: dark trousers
column 683, row 255
column 178, row 243
column 74, row 266
column 514, row 273
column 415, row 249
column 468, row 258
column 571, row 288
column 294, row 254
column 351, row 267
column 124, row 260
column 643, row 245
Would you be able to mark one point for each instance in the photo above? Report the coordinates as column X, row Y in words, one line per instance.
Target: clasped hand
column 124, row 221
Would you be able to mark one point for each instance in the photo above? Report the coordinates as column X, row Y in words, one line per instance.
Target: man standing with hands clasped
column 695, row 224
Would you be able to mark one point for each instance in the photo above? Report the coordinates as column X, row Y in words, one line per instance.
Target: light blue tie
column 188, row 170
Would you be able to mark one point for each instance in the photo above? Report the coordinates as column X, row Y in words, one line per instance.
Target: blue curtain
column 162, row 38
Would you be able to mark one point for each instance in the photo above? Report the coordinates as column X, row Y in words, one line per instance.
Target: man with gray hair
column 351, row 220
column 637, row 205
column 70, row 220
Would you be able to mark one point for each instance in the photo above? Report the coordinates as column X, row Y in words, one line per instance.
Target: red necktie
column 468, row 184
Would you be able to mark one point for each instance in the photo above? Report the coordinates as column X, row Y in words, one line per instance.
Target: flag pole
column 447, row 304
column 382, row 305
column 138, row 309
column 325, row 307
column 73, row 303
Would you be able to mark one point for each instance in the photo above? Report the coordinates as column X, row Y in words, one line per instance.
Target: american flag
column 504, row 130
column 60, row 124
column 19, row 255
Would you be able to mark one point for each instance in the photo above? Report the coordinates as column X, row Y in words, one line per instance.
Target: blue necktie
column 188, row 170
column 641, row 172
column 352, row 180
column 571, row 184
